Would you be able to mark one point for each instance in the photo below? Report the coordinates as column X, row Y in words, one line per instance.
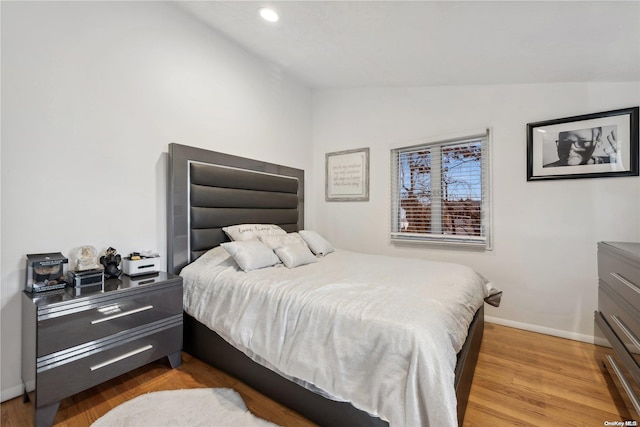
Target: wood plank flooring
column 528, row 379
column 522, row 379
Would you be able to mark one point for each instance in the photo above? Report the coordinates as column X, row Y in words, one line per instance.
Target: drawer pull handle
column 124, row 313
column 625, row 383
column 626, row 282
column 121, row 357
column 626, row 330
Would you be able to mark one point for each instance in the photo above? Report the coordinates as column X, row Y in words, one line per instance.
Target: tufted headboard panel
column 210, row 190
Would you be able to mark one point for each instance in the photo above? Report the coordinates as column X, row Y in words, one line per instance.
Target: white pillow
column 316, row 242
column 251, row 254
column 243, row 232
column 282, row 240
column 295, row 254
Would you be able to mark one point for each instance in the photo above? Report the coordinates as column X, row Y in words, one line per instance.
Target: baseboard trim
column 547, row 331
column 10, row 393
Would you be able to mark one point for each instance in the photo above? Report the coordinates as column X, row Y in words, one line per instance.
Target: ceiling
column 344, row 44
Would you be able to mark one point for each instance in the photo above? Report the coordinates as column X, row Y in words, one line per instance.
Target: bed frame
column 210, row 190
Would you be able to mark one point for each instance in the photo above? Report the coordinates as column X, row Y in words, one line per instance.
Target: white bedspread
column 379, row 332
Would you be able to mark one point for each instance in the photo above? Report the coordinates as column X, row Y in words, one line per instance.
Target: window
column 440, row 192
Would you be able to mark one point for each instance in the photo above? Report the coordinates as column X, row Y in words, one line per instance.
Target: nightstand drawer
column 107, row 316
column 67, row 377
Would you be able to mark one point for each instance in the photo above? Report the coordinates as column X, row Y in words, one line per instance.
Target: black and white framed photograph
column 347, row 175
column 588, row 146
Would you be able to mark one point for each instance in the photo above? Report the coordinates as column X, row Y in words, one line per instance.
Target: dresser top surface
column 632, row 248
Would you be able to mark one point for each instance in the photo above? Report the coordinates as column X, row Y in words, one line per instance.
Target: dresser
column 74, row 339
column 618, row 317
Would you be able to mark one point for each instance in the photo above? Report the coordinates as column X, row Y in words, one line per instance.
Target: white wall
column 92, row 93
column 544, row 233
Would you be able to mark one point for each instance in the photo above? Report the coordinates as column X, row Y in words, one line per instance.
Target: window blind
column 440, row 192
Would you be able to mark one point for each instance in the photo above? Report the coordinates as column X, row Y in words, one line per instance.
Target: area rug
column 210, row 407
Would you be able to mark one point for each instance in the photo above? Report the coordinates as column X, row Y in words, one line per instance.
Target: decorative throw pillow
column 316, row 242
column 295, row 254
column 282, row 240
column 243, row 232
column 251, row 254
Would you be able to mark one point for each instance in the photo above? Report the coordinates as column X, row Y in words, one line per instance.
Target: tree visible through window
column 440, row 191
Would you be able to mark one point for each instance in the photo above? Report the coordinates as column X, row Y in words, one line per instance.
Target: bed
column 209, row 191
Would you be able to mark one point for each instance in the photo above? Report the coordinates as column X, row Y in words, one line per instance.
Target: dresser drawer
column 629, row 390
column 622, row 319
column 625, row 358
column 107, row 316
column 621, row 273
column 65, row 378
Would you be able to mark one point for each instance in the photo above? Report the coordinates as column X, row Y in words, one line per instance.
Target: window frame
column 483, row 242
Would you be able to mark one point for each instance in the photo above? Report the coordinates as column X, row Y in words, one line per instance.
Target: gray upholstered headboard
column 210, row 190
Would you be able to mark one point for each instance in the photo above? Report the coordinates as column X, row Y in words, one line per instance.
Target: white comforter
column 379, row 332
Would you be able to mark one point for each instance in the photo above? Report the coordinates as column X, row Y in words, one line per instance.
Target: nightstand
column 74, row 339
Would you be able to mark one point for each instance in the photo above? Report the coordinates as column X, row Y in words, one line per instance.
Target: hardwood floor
column 522, row 379
column 528, row 379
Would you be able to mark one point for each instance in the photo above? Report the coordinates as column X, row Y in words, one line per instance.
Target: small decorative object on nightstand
column 111, row 262
column 72, row 340
column 87, row 259
column 137, row 264
column 46, row 272
column 87, row 278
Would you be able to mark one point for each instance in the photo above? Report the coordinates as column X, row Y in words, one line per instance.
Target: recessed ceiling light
column 269, row 14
